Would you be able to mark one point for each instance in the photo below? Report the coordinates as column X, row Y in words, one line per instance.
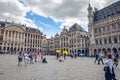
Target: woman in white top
column 26, row 58
column 109, row 70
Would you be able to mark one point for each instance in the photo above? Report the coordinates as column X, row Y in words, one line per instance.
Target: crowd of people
column 111, row 62
column 62, row 57
column 31, row 57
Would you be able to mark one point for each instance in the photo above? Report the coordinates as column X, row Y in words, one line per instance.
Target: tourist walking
column 109, row 69
column 35, row 56
column 96, row 57
column 20, row 56
column 41, row 55
column 100, row 59
column 116, row 60
column 75, row 55
column 26, row 58
column 71, row 55
column 57, row 55
column 64, row 56
column 31, row 57
column 38, row 57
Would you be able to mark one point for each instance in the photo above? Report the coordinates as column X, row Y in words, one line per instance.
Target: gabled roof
column 111, row 10
column 76, row 27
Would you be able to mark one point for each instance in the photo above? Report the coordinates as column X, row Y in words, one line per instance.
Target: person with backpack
column 109, row 69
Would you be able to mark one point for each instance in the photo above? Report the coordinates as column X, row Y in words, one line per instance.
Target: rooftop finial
column 64, row 27
column 89, row 6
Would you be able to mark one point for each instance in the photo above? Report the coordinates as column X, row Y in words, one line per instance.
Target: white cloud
column 15, row 11
column 67, row 11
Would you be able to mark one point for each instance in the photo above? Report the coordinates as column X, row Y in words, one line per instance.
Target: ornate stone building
column 57, row 41
column 16, row 37
column 104, row 28
column 64, row 40
column 44, row 45
column 78, row 39
column 51, row 44
column 72, row 40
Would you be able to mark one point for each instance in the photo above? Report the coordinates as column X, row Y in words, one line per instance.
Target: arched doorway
column 119, row 49
column 104, row 51
column 86, row 54
column 83, row 51
column 79, row 51
column 99, row 50
column 108, row 50
column 114, row 50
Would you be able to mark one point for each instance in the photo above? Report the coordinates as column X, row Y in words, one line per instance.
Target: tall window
column 2, row 31
column 108, row 28
column 95, row 30
column 74, row 41
column 115, row 39
column 104, row 29
column 16, row 34
column 119, row 38
column 109, row 39
column 19, row 35
column 113, row 26
column 6, row 32
column 99, row 30
column 1, row 38
column 13, row 33
column 105, row 40
column 118, row 24
column 96, row 41
column 100, row 41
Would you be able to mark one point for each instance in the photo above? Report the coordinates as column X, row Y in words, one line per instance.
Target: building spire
column 64, row 27
column 89, row 1
column 89, row 6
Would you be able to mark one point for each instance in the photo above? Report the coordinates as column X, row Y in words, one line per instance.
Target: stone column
column 12, row 39
column 8, row 40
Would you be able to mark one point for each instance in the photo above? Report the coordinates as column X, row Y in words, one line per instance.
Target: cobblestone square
column 70, row 69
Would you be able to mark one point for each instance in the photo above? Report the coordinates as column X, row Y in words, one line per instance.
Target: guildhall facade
column 15, row 37
column 104, row 28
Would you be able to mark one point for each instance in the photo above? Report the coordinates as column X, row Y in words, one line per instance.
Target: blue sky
column 49, row 26
column 49, row 15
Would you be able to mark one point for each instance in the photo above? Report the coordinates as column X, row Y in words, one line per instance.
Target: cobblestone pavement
column 70, row 69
